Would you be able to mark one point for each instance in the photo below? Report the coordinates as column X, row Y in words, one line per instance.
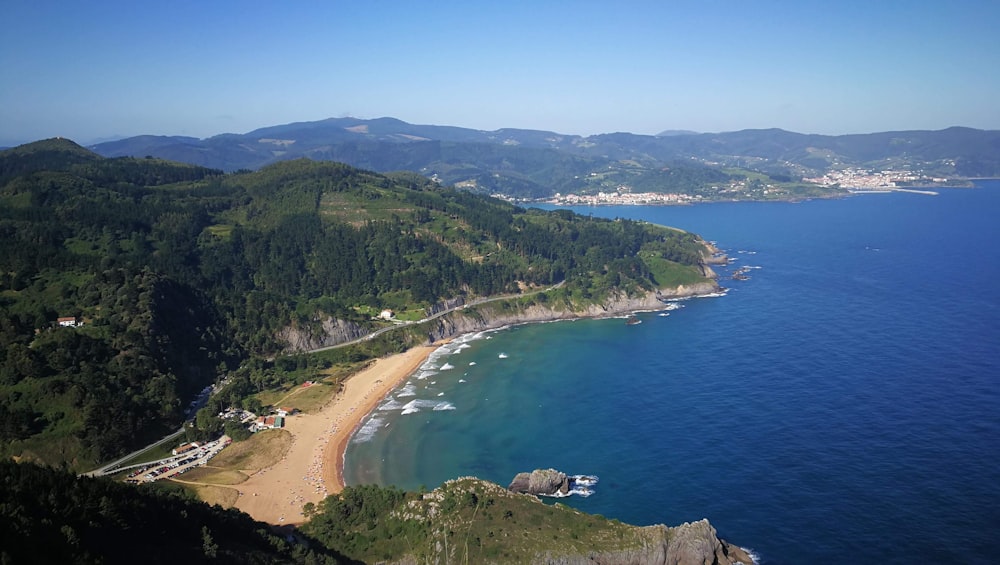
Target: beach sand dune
column 313, row 466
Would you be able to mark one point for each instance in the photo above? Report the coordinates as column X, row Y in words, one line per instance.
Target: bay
column 842, row 405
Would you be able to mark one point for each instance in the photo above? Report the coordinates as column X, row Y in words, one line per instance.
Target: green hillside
column 52, row 516
column 180, row 275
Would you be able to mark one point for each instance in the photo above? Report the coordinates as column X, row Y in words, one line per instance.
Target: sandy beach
column 313, row 466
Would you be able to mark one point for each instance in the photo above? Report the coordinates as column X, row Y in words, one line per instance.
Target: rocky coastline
column 495, row 316
column 691, row 543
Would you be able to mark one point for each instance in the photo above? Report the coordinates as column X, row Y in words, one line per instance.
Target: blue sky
column 99, row 69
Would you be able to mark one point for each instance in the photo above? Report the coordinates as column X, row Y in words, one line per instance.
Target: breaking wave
column 409, row 389
column 368, row 430
column 414, row 406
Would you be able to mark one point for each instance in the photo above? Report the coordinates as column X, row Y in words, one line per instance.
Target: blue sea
column 840, row 406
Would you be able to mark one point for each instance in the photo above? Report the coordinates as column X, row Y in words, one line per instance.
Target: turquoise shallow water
column 841, row 406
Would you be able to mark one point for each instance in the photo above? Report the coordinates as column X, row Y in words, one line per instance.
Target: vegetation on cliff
column 175, row 275
column 53, row 516
column 468, row 520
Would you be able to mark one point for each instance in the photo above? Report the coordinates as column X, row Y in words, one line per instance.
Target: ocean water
column 840, row 406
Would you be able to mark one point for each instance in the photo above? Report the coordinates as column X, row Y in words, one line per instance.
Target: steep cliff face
column 502, row 526
column 488, row 316
column 330, row 331
column 692, row 543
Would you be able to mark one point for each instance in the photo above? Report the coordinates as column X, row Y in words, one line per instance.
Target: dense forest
column 52, row 516
column 175, row 275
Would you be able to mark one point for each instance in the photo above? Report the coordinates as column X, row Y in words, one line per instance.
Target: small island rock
column 540, row 482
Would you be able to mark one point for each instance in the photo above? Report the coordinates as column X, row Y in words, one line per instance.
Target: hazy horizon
column 94, row 72
column 112, row 138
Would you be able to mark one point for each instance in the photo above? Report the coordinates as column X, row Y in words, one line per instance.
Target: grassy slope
column 467, row 520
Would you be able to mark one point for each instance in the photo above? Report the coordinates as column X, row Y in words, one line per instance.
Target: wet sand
column 314, row 465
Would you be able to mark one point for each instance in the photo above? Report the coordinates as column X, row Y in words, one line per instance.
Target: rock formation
column 329, row 331
column 540, row 482
column 694, row 543
column 491, row 316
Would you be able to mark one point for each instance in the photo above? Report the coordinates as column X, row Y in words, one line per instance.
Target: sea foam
column 367, row 431
column 414, row 406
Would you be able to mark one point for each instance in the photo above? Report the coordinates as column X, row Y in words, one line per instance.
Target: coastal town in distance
column 849, row 180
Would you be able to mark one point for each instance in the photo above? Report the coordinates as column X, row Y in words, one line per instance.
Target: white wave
column 414, row 406
column 673, row 306
column 580, row 486
column 367, row 431
column 409, row 389
column 447, row 367
column 472, row 364
column 425, row 373
column 713, row 294
column 579, row 491
column 585, row 480
column 391, row 404
column 462, row 346
column 502, row 356
column 440, row 394
column 461, row 380
column 664, row 314
column 411, row 407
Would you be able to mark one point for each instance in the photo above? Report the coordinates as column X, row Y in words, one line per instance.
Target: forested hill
column 179, row 274
column 538, row 164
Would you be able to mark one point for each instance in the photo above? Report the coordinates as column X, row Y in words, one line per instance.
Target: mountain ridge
column 525, row 163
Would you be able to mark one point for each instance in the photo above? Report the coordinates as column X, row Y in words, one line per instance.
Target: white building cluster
column 621, row 198
column 866, row 178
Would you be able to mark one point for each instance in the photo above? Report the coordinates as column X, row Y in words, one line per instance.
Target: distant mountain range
column 532, row 163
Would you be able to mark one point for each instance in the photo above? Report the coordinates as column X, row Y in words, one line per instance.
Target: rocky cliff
column 471, row 520
column 325, row 333
column 691, row 543
column 489, row 316
column 493, row 316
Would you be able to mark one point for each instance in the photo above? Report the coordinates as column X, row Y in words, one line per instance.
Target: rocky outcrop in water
column 540, row 482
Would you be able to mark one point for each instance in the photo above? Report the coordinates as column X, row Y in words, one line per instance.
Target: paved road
column 113, row 466
column 476, row 302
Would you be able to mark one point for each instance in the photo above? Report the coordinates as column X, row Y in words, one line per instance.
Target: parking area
column 178, row 464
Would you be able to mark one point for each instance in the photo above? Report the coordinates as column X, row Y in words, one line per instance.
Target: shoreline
column 312, row 468
column 401, row 367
